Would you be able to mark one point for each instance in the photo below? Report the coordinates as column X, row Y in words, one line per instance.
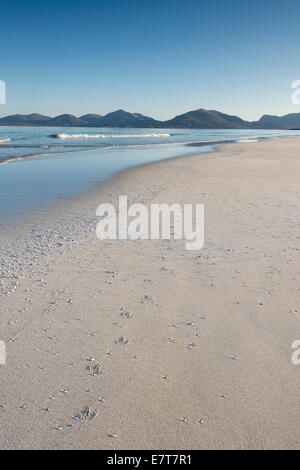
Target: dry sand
column 237, row 301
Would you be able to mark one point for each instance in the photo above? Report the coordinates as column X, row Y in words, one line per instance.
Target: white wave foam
column 105, row 136
column 4, row 140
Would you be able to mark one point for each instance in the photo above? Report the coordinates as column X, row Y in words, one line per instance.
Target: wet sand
column 144, row 345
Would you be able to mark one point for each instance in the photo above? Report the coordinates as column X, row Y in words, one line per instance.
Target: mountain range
column 198, row 119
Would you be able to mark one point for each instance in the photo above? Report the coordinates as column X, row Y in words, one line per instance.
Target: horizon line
column 78, row 116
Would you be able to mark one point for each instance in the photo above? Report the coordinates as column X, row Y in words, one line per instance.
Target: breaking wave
column 4, row 140
column 105, row 136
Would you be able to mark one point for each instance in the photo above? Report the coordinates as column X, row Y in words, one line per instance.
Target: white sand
column 241, row 292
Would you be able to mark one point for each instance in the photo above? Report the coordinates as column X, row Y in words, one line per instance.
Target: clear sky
column 160, row 58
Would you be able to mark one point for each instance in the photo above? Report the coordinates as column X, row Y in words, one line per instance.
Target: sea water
column 42, row 164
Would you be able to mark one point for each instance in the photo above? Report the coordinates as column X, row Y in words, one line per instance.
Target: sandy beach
column 144, row 345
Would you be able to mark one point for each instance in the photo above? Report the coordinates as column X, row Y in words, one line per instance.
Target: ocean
column 42, row 164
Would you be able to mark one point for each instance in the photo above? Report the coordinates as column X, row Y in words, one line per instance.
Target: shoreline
column 211, row 144
column 76, row 211
column 237, row 299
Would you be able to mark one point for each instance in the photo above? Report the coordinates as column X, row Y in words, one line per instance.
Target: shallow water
column 75, row 159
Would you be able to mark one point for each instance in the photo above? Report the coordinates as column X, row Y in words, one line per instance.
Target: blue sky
column 160, row 58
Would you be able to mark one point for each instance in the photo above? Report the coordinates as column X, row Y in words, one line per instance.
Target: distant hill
column 64, row 120
column 21, row 119
column 118, row 118
column 203, row 119
column 197, row 119
column 289, row 121
column 122, row 118
column 40, row 120
column 91, row 119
